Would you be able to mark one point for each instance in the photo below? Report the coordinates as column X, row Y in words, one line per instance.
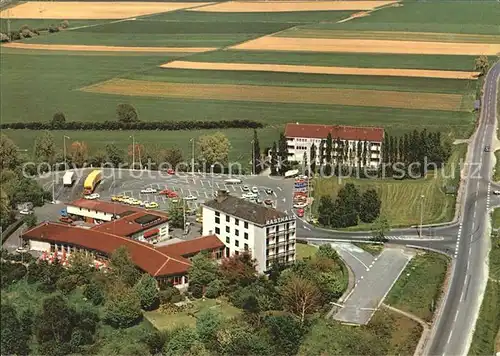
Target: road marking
column 280, row 189
column 217, row 184
column 206, row 195
column 209, row 184
column 201, row 182
column 275, row 194
column 305, row 227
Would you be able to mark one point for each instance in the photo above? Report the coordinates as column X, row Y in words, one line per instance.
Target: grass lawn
column 473, row 17
column 401, row 199
column 495, row 218
column 495, row 256
column 304, row 251
column 496, row 173
column 163, row 321
column 465, row 63
column 419, row 288
column 388, row 333
column 372, row 249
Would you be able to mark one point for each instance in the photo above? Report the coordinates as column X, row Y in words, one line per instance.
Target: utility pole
column 64, row 149
column 133, row 151
column 53, row 187
column 421, row 213
column 212, row 170
column 253, row 158
column 192, row 156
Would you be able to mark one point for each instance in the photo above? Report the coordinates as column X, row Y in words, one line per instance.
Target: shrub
column 67, row 284
column 214, row 289
column 126, row 113
column 170, row 295
column 64, row 24
column 94, row 292
column 196, row 290
column 4, row 37
column 53, row 29
column 58, row 120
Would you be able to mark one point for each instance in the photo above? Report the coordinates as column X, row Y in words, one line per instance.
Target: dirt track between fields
column 390, row 72
column 290, row 6
column 276, row 94
column 271, row 43
column 83, row 48
column 72, row 10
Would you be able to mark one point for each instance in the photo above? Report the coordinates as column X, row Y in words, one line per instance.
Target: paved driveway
column 373, row 285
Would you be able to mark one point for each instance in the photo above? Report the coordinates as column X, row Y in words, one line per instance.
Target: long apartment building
column 301, row 137
column 268, row 234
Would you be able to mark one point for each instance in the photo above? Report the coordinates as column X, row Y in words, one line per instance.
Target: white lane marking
column 217, row 184
column 274, row 193
column 201, row 182
column 280, row 189
column 206, row 196
column 209, row 184
column 456, row 317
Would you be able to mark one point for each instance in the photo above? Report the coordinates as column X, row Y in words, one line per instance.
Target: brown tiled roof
column 244, row 209
column 191, row 247
column 374, row 134
column 146, row 257
column 128, row 225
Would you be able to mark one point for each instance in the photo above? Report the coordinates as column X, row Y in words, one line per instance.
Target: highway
column 452, row 332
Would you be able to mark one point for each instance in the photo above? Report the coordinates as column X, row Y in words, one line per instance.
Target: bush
column 67, row 283
column 214, row 289
column 196, row 290
column 53, row 29
column 4, row 37
column 58, row 120
column 126, row 113
column 122, row 310
column 170, row 295
column 64, row 24
column 94, row 292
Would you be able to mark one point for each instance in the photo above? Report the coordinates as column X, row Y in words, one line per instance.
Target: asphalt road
column 453, row 331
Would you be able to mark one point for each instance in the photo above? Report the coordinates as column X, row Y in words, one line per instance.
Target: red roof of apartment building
column 156, row 262
column 104, row 206
column 131, row 224
column 374, row 134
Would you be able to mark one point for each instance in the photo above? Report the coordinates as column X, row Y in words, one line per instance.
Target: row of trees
column 349, row 207
column 26, row 31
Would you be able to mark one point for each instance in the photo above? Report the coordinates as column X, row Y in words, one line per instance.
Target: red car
column 170, row 171
column 66, row 220
column 172, row 195
column 300, row 213
column 165, row 192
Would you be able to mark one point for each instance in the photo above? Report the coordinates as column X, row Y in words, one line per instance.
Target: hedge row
column 141, row 125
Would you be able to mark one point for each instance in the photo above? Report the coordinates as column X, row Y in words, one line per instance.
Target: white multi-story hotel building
column 241, row 225
column 300, row 138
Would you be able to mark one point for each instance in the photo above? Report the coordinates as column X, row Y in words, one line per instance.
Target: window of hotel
column 246, row 235
column 217, row 213
column 227, row 229
column 236, row 221
column 246, row 247
column 245, row 225
column 237, row 232
column 236, row 243
column 217, row 220
column 217, row 230
column 228, row 240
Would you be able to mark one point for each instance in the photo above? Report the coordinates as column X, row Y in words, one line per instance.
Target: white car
column 255, row 190
column 26, row 212
column 22, row 250
column 148, row 191
column 299, row 205
column 496, row 192
column 190, row 197
column 92, row 196
column 249, row 196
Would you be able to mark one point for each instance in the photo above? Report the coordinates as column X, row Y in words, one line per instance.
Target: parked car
column 148, row 190
column 92, row 196
column 170, row 171
column 255, row 190
column 144, row 203
column 190, row 197
column 300, row 213
column 22, row 249
column 66, row 220
column 245, row 188
column 268, row 202
column 299, row 205
column 117, row 198
column 259, row 201
column 164, row 192
column 496, row 192
column 152, row 205
column 269, row 191
column 487, row 148
column 173, row 195
column 26, row 212
column 135, row 202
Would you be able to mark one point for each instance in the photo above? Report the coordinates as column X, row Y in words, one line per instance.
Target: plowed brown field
column 106, row 48
column 270, row 43
column 72, row 10
column 274, row 94
column 391, row 72
column 290, row 6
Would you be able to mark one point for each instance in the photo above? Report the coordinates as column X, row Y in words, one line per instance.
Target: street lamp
column 253, row 158
column 421, row 213
column 133, row 151
column 64, row 149
column 212, row 171
column 192, row 155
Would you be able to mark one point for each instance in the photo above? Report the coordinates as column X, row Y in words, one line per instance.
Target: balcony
column 280, row 243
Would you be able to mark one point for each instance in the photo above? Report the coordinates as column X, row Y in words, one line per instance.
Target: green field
column 472, row 17
column 401, row 199
column 465, row 63
column 431, row 85
column 418, row 289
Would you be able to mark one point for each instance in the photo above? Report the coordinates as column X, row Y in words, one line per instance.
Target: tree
column 208, row 324
column 327, row 251
column 173, row 156
column 482, row 64
column 346, row 207
column 9, row 154
column 114, row 155
column 126, row 113
column 239, row 269
column 283, row 164
column 122, row 308
column 274, row 160
column 122, row 267
column 370, row 204
column 213, row 148
column 301, row 297
column 30, row 221
column 14, row 339
column 312, row 159
column 148, row 292
column 180, row 342
column 203, row 270
column 94, row 292
column 176, row 214
column 45, row 149
column 79, row 153
column 379, row 229
column 256, row 154
column 329, row 148
column 286, row 333
column 325, row 210
column 5, row 210
column 58, row 120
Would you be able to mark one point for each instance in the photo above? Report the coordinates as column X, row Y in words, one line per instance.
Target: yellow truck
column 92, row 180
